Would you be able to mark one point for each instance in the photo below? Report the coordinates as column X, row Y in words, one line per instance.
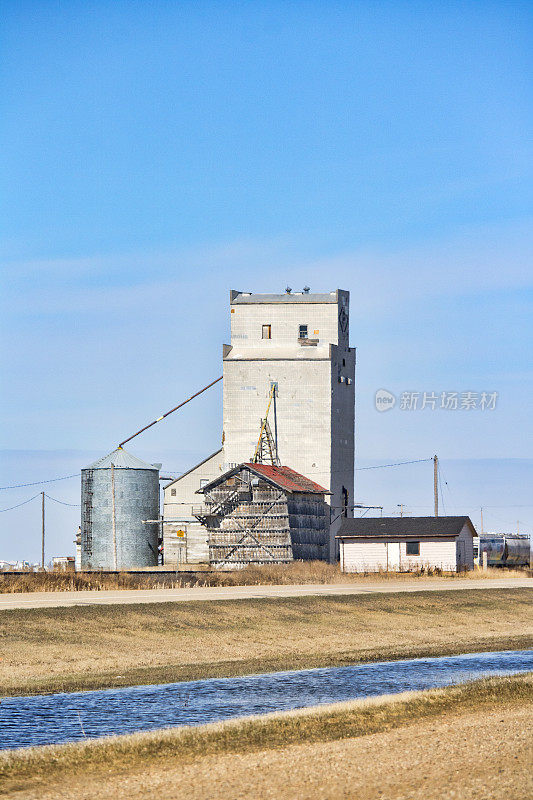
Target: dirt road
column 128, row 597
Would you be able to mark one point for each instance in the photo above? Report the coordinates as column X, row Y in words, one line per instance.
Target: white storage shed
column 402, row 544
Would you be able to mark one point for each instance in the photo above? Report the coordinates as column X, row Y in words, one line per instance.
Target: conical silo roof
column 121, row 459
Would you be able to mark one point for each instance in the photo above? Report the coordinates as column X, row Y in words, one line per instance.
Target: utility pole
column 481, row 510
column 42, row 530
column 436, row 484
column 401, row 509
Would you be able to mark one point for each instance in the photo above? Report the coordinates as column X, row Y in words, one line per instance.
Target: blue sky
column 155, row 155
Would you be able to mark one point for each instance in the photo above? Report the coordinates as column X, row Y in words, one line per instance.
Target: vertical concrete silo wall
column 136, row 499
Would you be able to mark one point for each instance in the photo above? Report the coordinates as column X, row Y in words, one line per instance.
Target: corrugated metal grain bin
column 118, row 492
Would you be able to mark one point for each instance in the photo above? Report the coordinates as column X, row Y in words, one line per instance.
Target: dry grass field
column 83, row 647
column 299, row 572
column 466, row 742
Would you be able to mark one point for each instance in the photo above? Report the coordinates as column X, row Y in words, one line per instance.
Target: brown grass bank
column 299, row 572
column 88, row 647
column 321, row 751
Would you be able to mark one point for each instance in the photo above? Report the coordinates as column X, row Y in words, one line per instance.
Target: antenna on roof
column 307, row 289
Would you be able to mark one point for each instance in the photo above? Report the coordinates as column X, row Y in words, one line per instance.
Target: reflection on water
column 48, row 719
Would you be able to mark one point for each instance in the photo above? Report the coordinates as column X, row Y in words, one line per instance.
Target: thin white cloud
column 380, row 278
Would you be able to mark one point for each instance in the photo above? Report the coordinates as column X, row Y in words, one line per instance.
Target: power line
column 19, row 504
column 62, row 501
column 397, row 464
column 492, row 515
column 474, row 508
column 357, row 469
column 38, row 483
column 527, row 505
column 464, row 505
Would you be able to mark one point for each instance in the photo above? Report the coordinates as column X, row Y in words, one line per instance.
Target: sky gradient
column 156, row 155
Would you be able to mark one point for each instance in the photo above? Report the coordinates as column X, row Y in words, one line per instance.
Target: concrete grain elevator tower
column 300, row 342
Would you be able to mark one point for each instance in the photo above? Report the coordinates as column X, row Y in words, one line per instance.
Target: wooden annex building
column 402, row 544
column 262, row 513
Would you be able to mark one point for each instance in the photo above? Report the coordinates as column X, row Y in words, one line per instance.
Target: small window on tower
column 302, row 332
column 344, row 501
column 267, row 332
column 173, row 492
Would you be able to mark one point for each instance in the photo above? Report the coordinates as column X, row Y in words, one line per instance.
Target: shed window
column 302, row 331
column 412, row 548
column 267, row 332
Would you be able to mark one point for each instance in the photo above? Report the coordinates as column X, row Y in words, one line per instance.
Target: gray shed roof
column 121, row 459
column 417, row 527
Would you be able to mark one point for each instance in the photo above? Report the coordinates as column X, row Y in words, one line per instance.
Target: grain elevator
column 296, row 346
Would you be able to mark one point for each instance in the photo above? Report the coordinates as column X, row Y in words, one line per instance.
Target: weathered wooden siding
column 251, row 524
column 373, row 555
column 255, row 522
column 309, row 527
column 438, row 553
column 368, row 556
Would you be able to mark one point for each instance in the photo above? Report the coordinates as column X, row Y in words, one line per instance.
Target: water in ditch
column 50, row 719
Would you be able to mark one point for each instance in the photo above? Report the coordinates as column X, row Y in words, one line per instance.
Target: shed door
column 394, row 556
column 460, row 553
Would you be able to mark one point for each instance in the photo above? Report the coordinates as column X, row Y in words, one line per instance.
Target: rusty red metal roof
column 287, row 478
